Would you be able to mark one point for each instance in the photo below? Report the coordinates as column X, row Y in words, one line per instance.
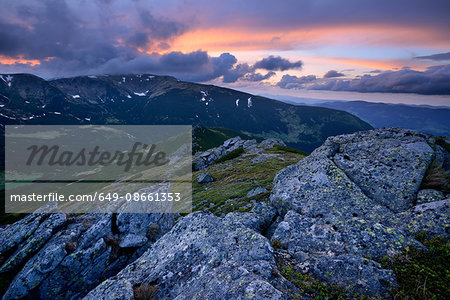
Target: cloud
column 375, row 72
column 439, row 56
column 333, row 73
column 433, row 81
column 103, row 37
column 294, row 82
column 264, row 14
column 277, row 63
column 77, row 39
column 258, row 76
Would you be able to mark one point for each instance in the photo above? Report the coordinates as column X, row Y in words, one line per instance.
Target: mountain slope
column 148, row 99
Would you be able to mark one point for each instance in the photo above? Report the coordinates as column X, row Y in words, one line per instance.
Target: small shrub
column 230, row 155
column 436, row 178
column 290, row 149
column 152, row 232
column 145, row 292
column 276, row 244
column 71, row 246
column 422, row 274
column 86, row 223
column 113, row 242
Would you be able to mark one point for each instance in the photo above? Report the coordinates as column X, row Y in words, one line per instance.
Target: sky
column 384, row 50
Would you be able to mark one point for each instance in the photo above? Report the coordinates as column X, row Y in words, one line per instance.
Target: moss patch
column 422, row 274
column 314, row 288
column 289, row 149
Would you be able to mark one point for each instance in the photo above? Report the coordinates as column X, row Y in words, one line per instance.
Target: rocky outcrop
column 208, row 157
column 203, row 257
column 353, row 201
column 335, row 214
column 67, row 258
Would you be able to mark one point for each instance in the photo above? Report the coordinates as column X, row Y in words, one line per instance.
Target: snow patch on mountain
column 141, row 94
column 8, row 79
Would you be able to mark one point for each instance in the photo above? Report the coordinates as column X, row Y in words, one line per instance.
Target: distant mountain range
column 433, row 120
column 149, row 99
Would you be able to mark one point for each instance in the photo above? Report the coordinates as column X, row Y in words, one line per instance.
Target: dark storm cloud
column 294, row 82
column 103, row 39
column 76, row 42
column 160, row 28
column 152, row 28
column 277, row 63
column 434, row 81
column 439, row 56
column 332, row 74
column 46, row 31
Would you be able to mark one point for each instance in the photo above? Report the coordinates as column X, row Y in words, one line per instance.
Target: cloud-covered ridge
column 433, row 81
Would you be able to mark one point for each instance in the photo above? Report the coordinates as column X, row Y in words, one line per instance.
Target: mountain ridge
column 150, row 99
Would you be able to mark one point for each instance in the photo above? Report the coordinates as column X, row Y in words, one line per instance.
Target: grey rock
column 92, row 248
column 97, row 229
column 256, row 191
column 204, row 178
column 388, row 165
column 202, row 256
column 432, row 218
column 258, row 219
column 317, row 187
column 15, row 233
column 132, row 241
column 351, row 202
column 354, row 273
column 79, row 272
column 207, row 158
column 39, row 237
column 270, row 143
column 428, row 195
column 356, row 236
column 43, row 263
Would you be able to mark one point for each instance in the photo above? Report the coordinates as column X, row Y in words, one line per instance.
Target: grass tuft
column 231, row 155
column 289, row 149
column 145, row 292
column 422, row 274
column 436, row 178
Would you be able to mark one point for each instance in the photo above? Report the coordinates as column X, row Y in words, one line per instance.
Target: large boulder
column 353, row 201
column 203, row 256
